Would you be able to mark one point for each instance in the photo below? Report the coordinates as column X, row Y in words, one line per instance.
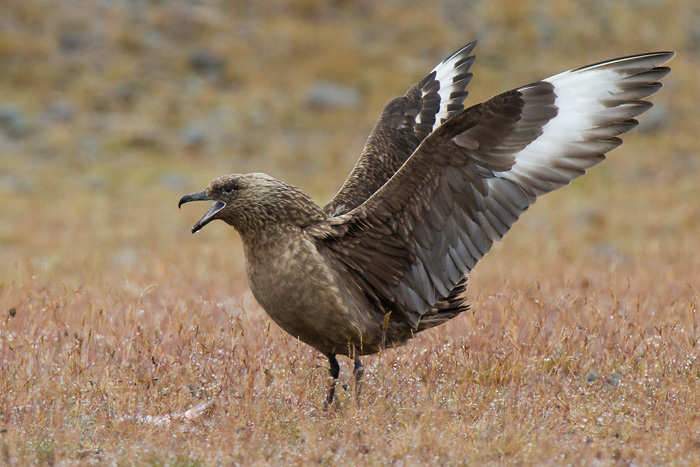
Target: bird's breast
column 293, row 283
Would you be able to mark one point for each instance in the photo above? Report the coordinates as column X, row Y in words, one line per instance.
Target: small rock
column 71, row 40
column 13, row 122
column 60, row 111
column 207, row 63
column 327, row 95
column 173, row 180
column 90, row 147
column 194, row 136
column 592, row 376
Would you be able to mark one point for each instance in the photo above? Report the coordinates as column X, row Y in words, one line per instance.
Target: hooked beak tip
column 209, row 216
column 200, row 196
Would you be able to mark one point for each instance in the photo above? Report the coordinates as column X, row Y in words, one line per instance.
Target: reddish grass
column 596, row 362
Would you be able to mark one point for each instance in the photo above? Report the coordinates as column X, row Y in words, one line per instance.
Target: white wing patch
column 450, row 75
column 594, row 105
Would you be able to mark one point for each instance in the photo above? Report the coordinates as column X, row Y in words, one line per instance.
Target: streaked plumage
column 435, row 186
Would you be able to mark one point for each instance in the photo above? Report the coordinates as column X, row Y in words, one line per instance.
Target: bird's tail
column 447, row 308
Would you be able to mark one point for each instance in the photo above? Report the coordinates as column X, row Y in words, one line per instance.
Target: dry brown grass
column 581, row 346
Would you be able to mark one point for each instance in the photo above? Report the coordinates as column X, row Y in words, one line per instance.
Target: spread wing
column 413, row 240
column 403, row 125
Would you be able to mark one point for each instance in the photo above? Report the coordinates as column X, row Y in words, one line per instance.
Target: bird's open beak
column 209, row 216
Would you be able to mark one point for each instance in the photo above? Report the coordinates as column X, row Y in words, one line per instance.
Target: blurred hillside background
column 110, row 110
column 582, row 339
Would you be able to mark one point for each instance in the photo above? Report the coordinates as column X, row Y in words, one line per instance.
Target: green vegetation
column 582, row 343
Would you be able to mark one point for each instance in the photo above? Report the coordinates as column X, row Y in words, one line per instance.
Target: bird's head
column 252, row 202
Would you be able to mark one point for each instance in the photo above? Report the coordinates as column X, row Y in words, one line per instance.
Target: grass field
column 581, row 347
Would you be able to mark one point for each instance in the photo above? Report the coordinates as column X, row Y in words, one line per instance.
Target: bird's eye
column 227, row 190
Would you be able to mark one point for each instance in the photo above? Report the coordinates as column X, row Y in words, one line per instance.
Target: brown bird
column 435, row 186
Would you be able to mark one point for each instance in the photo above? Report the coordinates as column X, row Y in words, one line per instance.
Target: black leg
column 335, row 372
column 359, row 371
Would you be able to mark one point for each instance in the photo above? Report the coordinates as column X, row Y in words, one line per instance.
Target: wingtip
column 658, row 58
column 663, row 56
column 669, row 55
column 469, row 48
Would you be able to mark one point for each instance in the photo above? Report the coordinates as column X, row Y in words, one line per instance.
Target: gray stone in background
column 60, row 111
column 207, row 63
column 328, row 95
column 13, row 122
column 194, row 136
